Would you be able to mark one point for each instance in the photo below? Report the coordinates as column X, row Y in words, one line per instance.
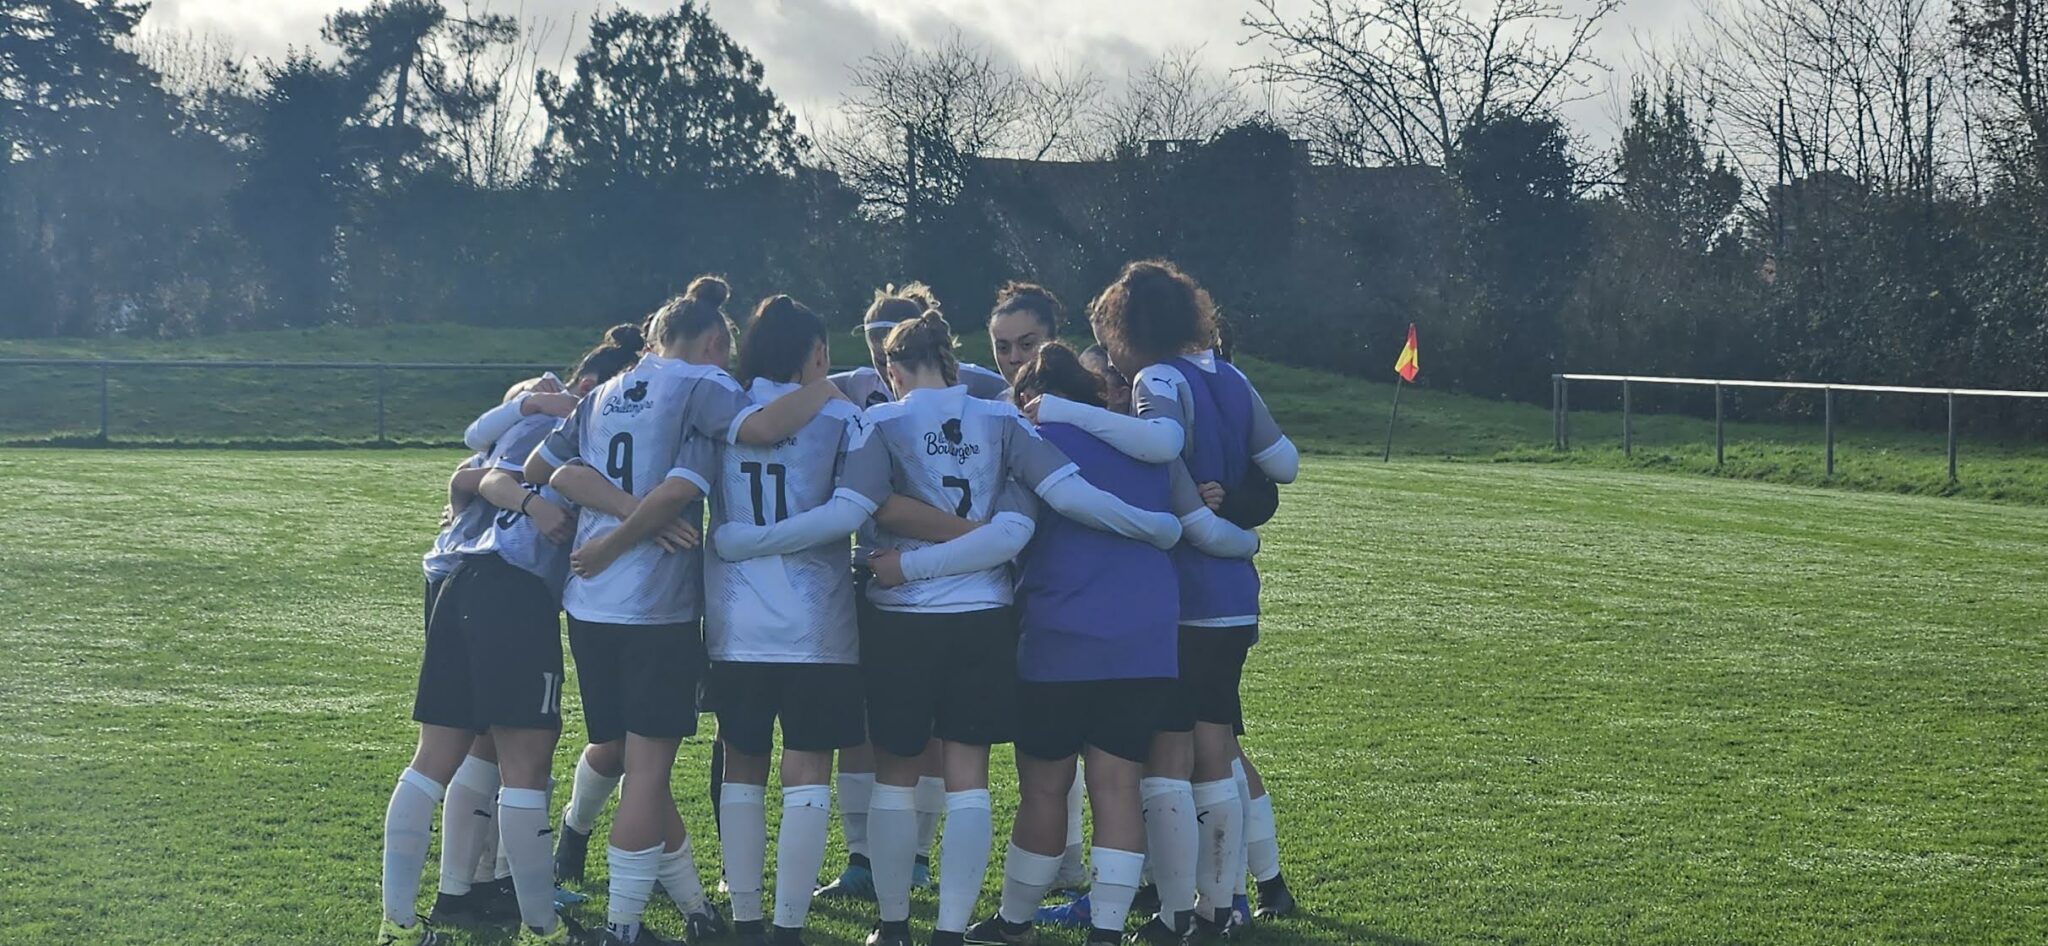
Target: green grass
column 1495, row 703
column 1326, row 413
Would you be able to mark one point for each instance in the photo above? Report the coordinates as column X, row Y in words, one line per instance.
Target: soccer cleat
column 1155, row 932
column 856, row 882
column 705, row 923
column 572, row 849
column 784, row 936
column 1241, row 908
column 890, row 934
column 1223, row 925
column 646, row 937
column 921, row 873
column 996, row 931
column 1275, row 900
column 749, row 932
column 1072, row 878
column 479, row 907
column 420, row 933
column 1070, row 916
column 1146, row 900
column 566, row 932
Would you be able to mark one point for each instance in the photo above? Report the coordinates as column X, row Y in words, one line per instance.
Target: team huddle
column 1056, row 555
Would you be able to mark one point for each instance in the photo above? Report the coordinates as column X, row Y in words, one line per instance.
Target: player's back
column 946, row 450
column 511, row 534
column 795, row 608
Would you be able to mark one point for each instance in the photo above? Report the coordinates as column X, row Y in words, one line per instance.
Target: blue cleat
column 921, row 874
column 856, row 882
column 1072, row 916
column 1242, row 906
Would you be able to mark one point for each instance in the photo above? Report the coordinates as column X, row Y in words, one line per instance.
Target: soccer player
column 868, row 385
column 1158, row 321
column 1097, row 653
column 942, row 660
column 633, row 606
column 485, row 669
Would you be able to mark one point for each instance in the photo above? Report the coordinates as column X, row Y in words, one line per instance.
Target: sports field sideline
column 1497, row 704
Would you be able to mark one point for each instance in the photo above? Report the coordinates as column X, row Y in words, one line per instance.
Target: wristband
column 525, row 502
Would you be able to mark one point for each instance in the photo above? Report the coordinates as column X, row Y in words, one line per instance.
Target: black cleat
column 750, row 932
column 784, row 936
column 646, row 937
column 1275, row 900
column 572, row 849
column 483, row 905
column 1146, row 901
column 944, row 938
column 1223, row 925
column 996, row 931
column 705, row 923
column 890, row 934
column 1155, row 932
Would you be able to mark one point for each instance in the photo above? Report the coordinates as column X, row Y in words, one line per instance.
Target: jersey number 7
column 966, row 489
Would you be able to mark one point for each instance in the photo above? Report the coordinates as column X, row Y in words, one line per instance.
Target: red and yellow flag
column 1410, row 361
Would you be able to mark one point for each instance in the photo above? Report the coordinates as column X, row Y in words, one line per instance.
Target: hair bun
column 627, row 336
column 709, row 290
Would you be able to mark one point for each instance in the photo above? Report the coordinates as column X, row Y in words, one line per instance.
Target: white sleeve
column 996, row 543
column 1271, row 450
column 835, row 520
column 492, row 424
column 1216, row 536
column 1077, row 499
column 1145, row 439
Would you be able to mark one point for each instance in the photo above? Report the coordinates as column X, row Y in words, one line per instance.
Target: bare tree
column 1061, row 108
column 2007, row 43
column 1174, row 98
column 1397, row 81
column 490, row 144
column 914, row 117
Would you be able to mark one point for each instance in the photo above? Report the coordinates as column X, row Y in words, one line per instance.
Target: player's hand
column 887, row 565
column 555, row 523
column 1212, row 496
column 677, row 536
column 556, row 404
column 1030, row 410
column 590, row 559
column 447, row 515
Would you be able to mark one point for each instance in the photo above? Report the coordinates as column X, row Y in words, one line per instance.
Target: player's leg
column 977, row 709
column 856, row 794
column 820, row 714
column 523, row 818
column 1262, row 847
column 931, row 809
column 1073, row 873
column 1221, row 812
column 468, row 819
column 899, row 659
column 443, row 708
column 599, row 665
column 746, row 696
column 1048, row 745
column 1119, row 843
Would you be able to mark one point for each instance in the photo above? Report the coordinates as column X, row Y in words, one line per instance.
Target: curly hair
column 1154, row 312
column 901, row 304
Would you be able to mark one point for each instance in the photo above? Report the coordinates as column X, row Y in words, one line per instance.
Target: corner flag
column 1410, row 363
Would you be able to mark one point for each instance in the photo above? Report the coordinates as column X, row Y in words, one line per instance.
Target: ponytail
column 924, row 342
column 779, row 340
column 699, row 309
column 619, row 350
column 1056, row 370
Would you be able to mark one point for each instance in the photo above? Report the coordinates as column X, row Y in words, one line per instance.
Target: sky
column 806, row 45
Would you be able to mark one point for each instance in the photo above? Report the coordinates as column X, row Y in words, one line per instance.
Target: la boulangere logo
column 948, row 440
column 633, row 400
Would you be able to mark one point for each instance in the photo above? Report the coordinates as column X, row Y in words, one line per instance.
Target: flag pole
column 1398, row 385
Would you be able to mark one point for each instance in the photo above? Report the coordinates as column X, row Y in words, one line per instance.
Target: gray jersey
column 983, row 383
column 663, row 418
column 510, row 534
column 864, row 386
column 957, row 453
column 795, row 608
column 441, row 557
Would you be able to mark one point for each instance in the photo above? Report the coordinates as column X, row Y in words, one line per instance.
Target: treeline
column 1848, row 190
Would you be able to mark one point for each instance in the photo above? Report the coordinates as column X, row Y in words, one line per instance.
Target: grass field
column 1496, row 704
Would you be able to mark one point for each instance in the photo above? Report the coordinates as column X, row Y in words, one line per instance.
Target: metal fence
column 1560, row 406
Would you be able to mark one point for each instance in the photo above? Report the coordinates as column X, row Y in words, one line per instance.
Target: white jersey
column 664, row 418
column 509, row 533
column 864, row 386
column 799, row 607
column 439, row 562
column 957, row 453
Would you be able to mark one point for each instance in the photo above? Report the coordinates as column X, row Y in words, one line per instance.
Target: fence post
column 1628, row 432
column 1828, row 399
column 1720, row 431
column 1564, row 400
column 1556, row 424
column 1951, row 436
column 381, row 383
column 103, row 402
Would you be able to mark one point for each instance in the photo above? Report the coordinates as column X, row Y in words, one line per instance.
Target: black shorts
column 819, row 705
column 1057, row 720
column 433, row 591
column 1211, row 667
column 638, row 678
column 494, row 651
column 953, row 676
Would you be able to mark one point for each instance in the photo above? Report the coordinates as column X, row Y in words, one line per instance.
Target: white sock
column 1170, row 839
column 486, row 868
column 677, row 873
column 1117, row 875
column 1073, row 866
column 800, row 851
column 1262, row 840
column 527, row 839
column 963, row 858
column 1244, row 802
column 632, row 882
column 931, row 800
column 588, row 794
column 1222, row 821
column 892, row 843
column 1026, row 878
column 467, row 817
column 743, row 837
column 856, row 793
column 408, row 830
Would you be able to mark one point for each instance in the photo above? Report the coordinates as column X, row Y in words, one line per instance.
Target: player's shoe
column 1275, row 900
column 1241, row 908
column 420, row 933
column 1156, row 932
column 1071, row 916
column 856, row 882
column 566, row 898
column 890, row 934
column 705, row 923
column 1146, row 900
column 1223, row 925
column 646, row 937
column 566, row 933
column 921, row 873
column 784, row 936
column 572, row 850
column 996, row 931
column 750, row 932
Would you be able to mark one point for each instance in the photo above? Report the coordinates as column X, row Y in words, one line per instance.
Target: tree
column 1666, row 178
column 1175, row 99
column 1400, row 82
column 2007, row 45
column 393, row 59
column 308, row 159
column 65, row 76
column 914, row 119
column 665, row 97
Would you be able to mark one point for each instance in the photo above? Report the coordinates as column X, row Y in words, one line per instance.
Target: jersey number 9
column 618, row 461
